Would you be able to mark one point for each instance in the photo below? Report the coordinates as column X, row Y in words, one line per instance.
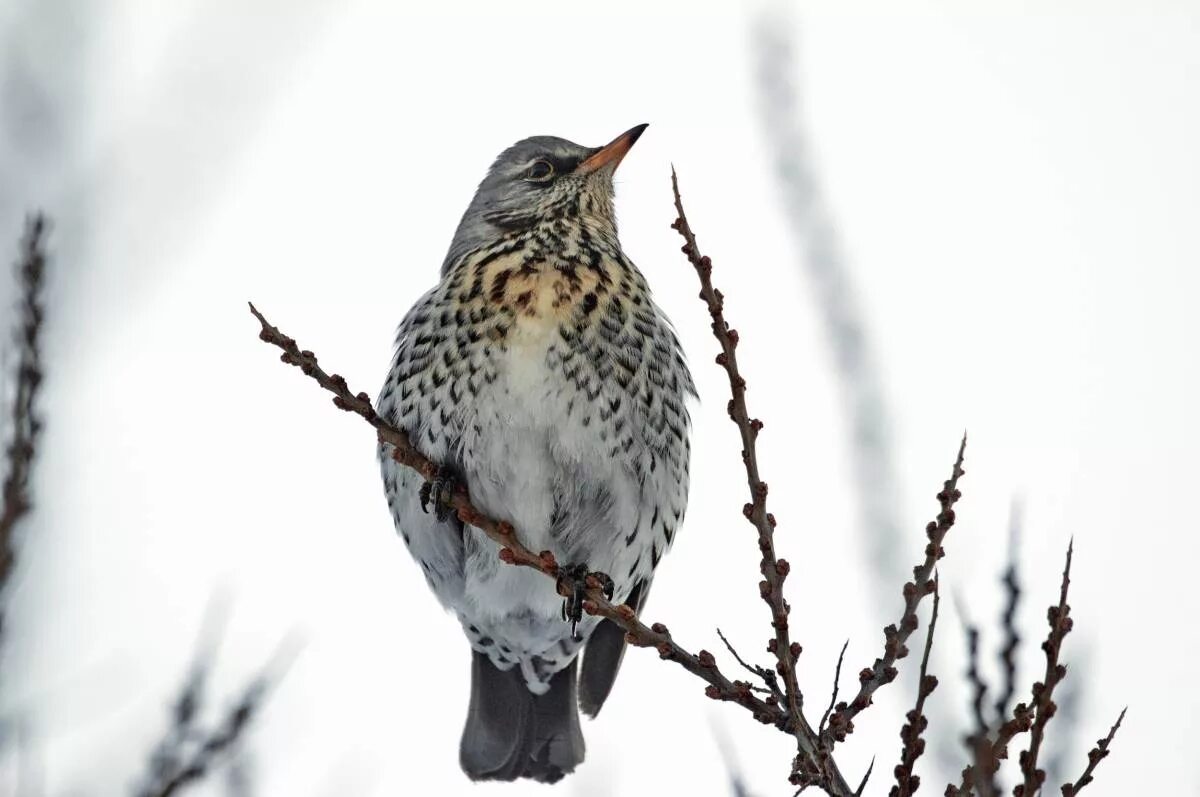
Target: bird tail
column 512, row 733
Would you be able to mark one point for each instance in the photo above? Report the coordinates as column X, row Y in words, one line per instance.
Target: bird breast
column 537, row 298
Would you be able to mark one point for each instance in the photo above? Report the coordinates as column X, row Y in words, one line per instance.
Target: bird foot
column 439, row 492
column 573, row 584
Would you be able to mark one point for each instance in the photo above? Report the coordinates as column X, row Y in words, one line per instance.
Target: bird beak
column 612, row 152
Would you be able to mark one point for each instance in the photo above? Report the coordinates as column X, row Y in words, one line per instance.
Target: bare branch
column 1043, row 692
column 1095, row 756
column 906, row 782
column 883, row 671
column 813, row 765
column 1027, row 717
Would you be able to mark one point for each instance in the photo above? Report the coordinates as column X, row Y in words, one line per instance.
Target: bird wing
column 603, row 653
column 437, row 546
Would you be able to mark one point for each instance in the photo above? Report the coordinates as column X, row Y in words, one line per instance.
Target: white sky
column 1017, row 187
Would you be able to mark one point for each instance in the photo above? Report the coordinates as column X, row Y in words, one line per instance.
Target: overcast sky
column 1016, row 189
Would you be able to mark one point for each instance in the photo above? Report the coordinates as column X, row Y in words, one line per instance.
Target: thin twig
column 25, row 425
column 862, row 784
column 1095, row 756
column 837, row 680
column 906, row 782
column 768, row 676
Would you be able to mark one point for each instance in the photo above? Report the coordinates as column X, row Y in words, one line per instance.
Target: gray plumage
column 541, row 373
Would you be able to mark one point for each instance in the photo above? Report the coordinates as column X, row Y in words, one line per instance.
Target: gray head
column 541, row 178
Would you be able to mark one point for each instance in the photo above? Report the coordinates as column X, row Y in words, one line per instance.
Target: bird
column 541, row 376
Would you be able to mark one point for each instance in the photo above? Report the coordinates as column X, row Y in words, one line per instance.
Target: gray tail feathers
column 512, row 733
column 602, row 656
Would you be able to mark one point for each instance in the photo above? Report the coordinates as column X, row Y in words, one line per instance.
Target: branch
column 767, row 676
column 906, row 782
column 25, row 425
column 883, row 671
column 1025, row 717
column 172, row 766
column 1043, row 692
column 837, row 680
column 783, row 708
column 512, row 551
column 1095, row 756
column 774, row 570
column 188, row 753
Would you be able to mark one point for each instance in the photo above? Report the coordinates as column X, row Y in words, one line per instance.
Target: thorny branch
column 24, row 424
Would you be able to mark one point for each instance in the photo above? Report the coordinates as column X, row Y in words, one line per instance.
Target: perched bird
column 541, row 375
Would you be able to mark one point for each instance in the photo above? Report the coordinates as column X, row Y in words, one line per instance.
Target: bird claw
column 439, row 492
column 573, row 582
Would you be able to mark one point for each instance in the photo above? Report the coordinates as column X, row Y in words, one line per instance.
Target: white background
column 1017, row 190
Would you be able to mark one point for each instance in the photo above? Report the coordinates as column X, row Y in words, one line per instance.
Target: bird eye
column 540, row 171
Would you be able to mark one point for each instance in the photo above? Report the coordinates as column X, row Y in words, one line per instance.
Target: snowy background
column 1013, row 194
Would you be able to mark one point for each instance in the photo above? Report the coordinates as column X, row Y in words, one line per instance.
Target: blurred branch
column 24, row 424
column 983, row 770
column 188, row 753
column 1008, row 622
column 810, row 222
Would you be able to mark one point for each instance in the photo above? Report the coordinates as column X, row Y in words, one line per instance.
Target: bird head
column 539, row 179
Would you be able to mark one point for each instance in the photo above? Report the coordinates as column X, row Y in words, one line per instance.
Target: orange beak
column 612, row 152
